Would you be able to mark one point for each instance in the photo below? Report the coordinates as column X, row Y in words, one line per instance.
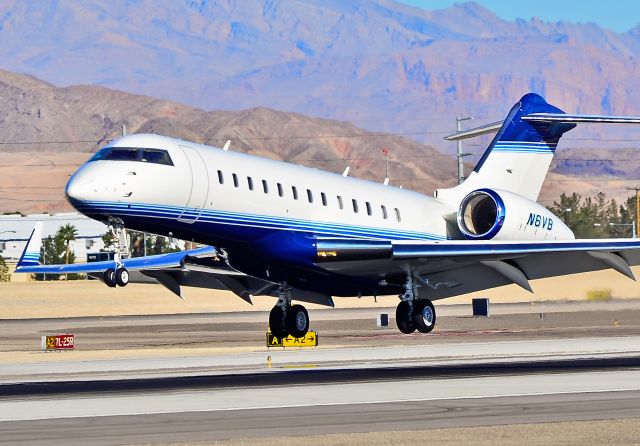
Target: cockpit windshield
column 155, row 156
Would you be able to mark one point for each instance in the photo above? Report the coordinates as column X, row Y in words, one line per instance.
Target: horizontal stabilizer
column 472, row 133
column 578, row 119
column 545, row 117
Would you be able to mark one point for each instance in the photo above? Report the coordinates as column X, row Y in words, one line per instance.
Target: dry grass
column 579, row 433
column 92, row 298
column 599, row 295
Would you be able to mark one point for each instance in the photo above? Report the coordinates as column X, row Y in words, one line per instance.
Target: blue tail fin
column 31, row 254
column 518, row 136
column 519, row 156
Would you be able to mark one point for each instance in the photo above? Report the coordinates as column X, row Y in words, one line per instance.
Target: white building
column 15, row 230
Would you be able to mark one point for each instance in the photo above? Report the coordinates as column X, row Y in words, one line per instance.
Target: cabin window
column 354, row 202
column 368, row 205
column 398, row 219
column 309, row 195
column 265, row 186
column 294, row 191
column 236, row 183
column 384, row 212
column 324, row 198
column 220, row 177
column 340, row 204
column 250, row 183
column 280, row 191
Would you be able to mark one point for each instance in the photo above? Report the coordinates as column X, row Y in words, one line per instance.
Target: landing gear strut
column 413, row 313
column 286, row 319
column 119, row 275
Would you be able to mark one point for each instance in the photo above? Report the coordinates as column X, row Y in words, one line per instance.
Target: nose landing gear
column 118, row 276
column 109, row 278
column 122, row 276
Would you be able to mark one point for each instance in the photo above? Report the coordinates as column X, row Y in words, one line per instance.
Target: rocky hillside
column 46, row 132
column 380, row 64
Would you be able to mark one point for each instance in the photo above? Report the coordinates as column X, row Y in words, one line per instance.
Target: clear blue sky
column 616, row 15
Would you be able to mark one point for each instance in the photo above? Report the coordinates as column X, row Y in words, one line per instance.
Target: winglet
column 31, row 254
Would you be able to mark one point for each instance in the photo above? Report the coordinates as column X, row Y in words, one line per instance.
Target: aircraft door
column 199, row 186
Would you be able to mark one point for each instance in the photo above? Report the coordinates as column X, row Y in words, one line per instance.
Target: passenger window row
column 323, row 197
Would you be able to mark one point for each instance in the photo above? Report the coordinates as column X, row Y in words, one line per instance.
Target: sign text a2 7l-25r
column 58, row 342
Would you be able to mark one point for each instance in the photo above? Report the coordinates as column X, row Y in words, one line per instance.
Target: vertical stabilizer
column 518, row 158
column 31, row 254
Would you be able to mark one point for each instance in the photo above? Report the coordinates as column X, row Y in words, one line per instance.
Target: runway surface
column 365, row 380
column 479, row 397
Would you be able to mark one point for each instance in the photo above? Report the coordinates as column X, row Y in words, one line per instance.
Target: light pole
column 563, row 211
column 459, row 154
column 632, row 224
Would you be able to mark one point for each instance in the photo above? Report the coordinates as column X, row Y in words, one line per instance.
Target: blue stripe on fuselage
column 250, row 221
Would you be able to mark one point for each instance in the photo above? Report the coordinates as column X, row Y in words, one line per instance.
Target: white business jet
column 302, row 234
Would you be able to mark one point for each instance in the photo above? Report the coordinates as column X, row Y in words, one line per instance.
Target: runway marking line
column 357, row 403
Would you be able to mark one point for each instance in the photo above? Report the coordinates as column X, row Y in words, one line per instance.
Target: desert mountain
column 46, row 132
column 380, row 64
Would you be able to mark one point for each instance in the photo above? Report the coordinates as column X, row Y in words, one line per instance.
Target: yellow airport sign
column 308, row 340
column 58, row 342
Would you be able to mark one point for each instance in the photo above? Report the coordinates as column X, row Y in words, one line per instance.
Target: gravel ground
column 578, row 433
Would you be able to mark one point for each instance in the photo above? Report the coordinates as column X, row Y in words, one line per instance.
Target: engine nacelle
column 500, row 215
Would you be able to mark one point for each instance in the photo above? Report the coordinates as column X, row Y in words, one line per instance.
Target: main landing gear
column 286, row 319
column 413, row 313
column 118, row 276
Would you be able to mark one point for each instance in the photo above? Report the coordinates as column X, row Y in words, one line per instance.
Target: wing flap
column 455, row 267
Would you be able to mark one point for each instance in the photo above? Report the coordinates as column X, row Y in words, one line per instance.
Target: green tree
column 67, row 233
column 57, row 250
column 4, row 271
column 109, row 240
column 595, row 217
column 155, row 244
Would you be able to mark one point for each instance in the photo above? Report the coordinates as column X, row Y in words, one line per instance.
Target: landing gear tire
column 122, row 276
column 277, row 322
column 297, row 320
column 404, row 319
column 424, row 315
column 109, row 278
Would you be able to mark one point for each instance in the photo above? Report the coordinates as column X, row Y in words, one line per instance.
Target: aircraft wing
column 201, row 268
column 451, row 268
column 154, row 262
column 30, row 260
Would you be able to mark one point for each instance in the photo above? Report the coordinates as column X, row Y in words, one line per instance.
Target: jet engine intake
column 483, row 215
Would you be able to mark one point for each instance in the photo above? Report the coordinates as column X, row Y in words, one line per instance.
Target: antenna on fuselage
column 385, row 154
column 226, row 145
column 346, row 171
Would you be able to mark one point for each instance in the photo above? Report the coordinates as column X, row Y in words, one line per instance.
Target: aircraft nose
column 77, row 188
